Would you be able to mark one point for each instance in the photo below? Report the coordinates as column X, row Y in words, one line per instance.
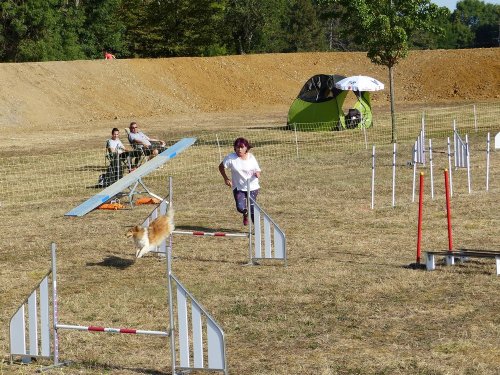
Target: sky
column 452, row 4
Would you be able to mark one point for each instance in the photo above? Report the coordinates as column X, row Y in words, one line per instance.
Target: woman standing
column 243, row 166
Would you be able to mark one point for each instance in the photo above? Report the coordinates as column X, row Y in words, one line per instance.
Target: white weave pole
column 394, row 176
column 373, row 177
column 449, row 168
column 414, row 170
column 366, row 139
column 468, row 161
column 475, row 118
column 487, row 161
column 431, row 167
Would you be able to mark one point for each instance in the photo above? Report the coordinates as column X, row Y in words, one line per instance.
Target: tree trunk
column 393, row 113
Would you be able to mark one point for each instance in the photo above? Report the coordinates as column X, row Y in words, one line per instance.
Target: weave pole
column 449, row 168
column 420, row 209
column 394, row 176
column 488, row 142
column 448, row 211
column 373, row 177
column 431, row 169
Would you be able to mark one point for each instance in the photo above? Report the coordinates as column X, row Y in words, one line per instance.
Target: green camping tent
column 319, row 106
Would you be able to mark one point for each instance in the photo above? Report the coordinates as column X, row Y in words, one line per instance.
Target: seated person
column 138, row 139
column 114, row 145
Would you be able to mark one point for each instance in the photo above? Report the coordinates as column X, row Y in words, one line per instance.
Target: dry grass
column 345, row 304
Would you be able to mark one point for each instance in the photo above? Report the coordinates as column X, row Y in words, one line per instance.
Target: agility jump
column 266, row 241
column 132, row 180
column 38, row 306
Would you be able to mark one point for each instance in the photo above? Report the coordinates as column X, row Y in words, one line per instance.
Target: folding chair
column 116, row 165
column 139, row 156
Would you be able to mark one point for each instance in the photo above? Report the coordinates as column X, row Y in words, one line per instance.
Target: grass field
column 345, row 304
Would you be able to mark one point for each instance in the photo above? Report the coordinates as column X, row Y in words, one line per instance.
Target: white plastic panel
column 196, row 316
column 215, row 337
column 279, row 244
column 44, row 317
column 182, row 326
column 33, row 323
column 257, row 230
column 267, row 237
column 18, row 333
column 163, row 207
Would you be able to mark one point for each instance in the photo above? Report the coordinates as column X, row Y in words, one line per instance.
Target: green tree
column 38, row 30
column 482, row 20
column 302, row 27
column 245, row 19
column 182, row 27
column 103, row 28
column 385, row 27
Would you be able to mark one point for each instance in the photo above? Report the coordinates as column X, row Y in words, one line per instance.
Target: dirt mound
column 81, row 91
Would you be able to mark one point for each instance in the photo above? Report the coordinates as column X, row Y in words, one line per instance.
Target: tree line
column 43, row 30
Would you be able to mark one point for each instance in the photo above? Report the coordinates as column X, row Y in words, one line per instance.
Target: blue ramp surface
column 131, row 178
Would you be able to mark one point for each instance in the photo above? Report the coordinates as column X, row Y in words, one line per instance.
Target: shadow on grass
column 107, row 367
column 113, row 261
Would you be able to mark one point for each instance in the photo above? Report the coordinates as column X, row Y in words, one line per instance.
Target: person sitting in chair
column 117, row 156
column 114, row 145
column 138, row 139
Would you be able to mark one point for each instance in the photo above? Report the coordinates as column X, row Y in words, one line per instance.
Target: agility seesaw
column 132, row 180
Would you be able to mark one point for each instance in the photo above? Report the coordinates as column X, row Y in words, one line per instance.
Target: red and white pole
column 448, row 210
column 112, row 330
column 210, row 234
column 420, row 209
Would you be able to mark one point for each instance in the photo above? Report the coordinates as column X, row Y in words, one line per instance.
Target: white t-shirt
column 117, row 145
column 241, row 170
column 140, row 136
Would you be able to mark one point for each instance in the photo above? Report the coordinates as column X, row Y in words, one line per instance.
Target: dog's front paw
column 140, row 253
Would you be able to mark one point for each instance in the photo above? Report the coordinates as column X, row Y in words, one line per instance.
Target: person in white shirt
column 116, row 154
column 151, row 146
column 114, row 144
column 243, row 166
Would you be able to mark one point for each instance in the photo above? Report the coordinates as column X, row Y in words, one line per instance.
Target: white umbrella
column 360, row 83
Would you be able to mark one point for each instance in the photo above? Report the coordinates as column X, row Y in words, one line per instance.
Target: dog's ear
column 130, row 232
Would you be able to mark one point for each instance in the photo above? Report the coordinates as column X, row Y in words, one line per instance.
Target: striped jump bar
column 210, row 234
column 112, row 330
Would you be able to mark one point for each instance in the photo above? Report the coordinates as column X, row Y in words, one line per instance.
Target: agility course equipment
column 192, row 357
column 450, row 255
column 132, row 180
column 267, row 241
column 462, row 255
column 462, row 154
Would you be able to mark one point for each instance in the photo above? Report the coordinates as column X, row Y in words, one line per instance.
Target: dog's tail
column 170, row 216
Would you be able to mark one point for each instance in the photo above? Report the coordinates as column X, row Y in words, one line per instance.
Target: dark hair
column 242, row 142
column 114, row 130
column 132, row 123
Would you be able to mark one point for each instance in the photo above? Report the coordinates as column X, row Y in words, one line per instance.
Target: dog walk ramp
column 132, row 179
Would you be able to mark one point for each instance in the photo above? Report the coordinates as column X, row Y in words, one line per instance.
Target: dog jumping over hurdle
column 146, row 239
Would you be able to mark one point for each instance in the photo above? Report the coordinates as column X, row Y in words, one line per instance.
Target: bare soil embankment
column 59, row 93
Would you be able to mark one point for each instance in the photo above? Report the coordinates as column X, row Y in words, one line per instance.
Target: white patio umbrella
column 359, row 83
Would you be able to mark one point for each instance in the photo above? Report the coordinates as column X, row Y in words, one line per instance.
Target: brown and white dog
column 146, row 239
